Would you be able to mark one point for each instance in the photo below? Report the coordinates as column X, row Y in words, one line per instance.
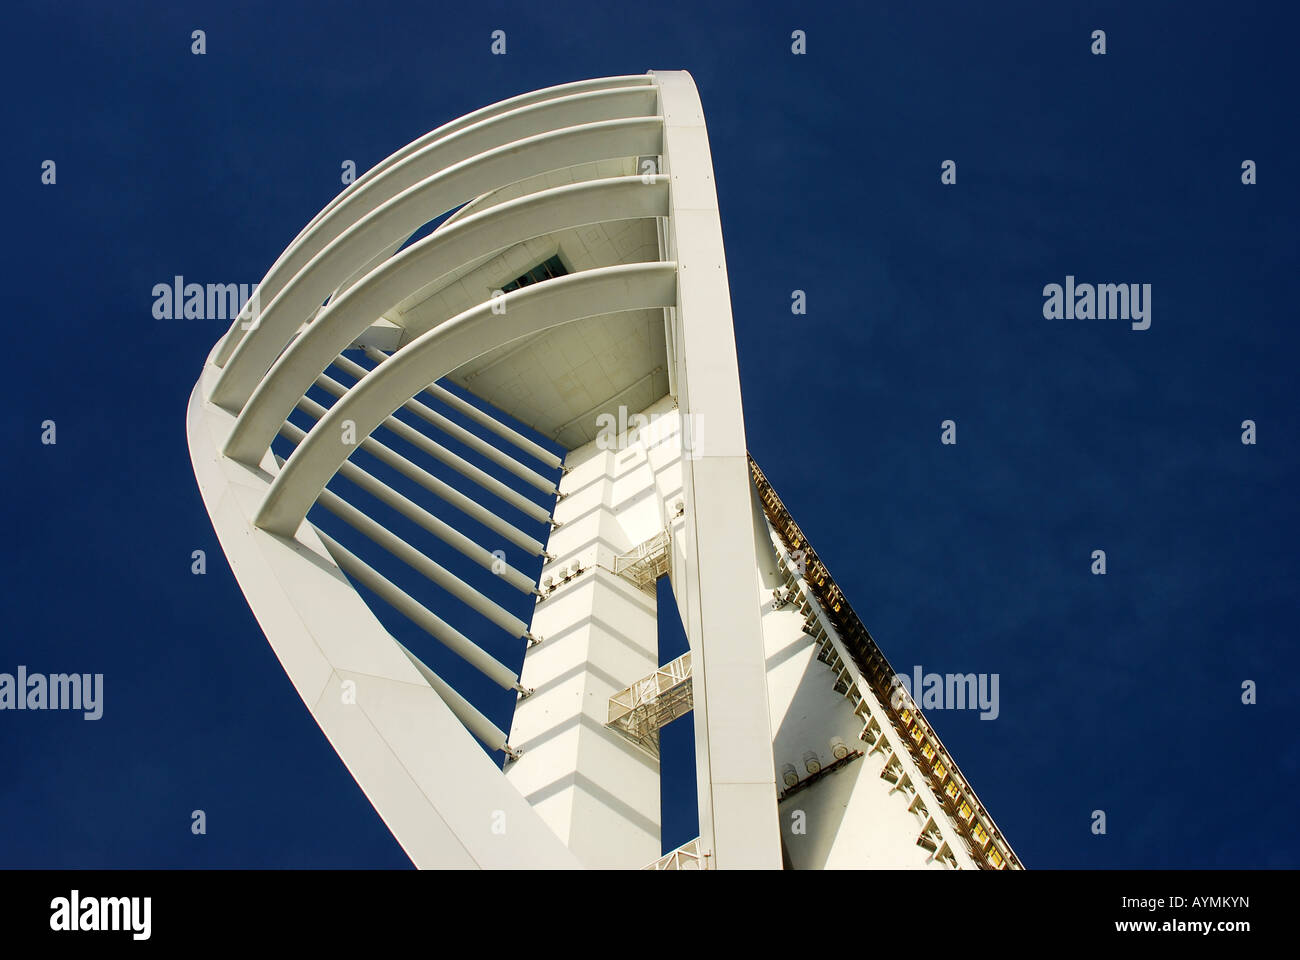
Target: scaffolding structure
column 644, row 565
column 639, row 711
column 685, row 857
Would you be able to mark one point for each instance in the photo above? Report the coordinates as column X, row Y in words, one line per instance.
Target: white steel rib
column 556, row 365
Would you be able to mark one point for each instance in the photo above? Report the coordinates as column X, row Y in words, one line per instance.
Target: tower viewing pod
column 494, row 438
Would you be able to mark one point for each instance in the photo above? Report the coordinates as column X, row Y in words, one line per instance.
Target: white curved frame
column 405, row 734
column 408, row 738
column 437, row 255
column 399, row 217
column 444, row 349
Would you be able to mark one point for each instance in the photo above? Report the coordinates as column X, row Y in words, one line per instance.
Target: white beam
column 446, row 492
column 302, row 296
column 470, row 334
column 737, row 780
column 481, row 417
column 437, row 255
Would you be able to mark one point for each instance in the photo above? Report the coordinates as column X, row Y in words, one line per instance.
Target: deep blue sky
column 1119, row 693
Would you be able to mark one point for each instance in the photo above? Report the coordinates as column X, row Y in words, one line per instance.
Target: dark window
column 543, row 271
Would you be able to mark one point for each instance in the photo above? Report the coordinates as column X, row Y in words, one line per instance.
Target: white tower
column 579, row 286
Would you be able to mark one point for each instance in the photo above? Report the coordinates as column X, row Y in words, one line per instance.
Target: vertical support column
column 596, row 790
column 737, row 780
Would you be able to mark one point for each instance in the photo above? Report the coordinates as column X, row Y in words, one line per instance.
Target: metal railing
column 640, row 710
column 937, row 765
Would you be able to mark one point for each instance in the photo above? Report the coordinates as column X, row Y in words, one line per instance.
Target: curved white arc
column 469, row 119
column 232, row 336
column 496, row 131
column 402, row 215
column 501, row 130
column 440, row 253
column 443, row 349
